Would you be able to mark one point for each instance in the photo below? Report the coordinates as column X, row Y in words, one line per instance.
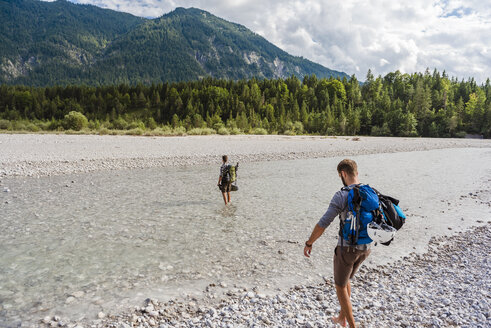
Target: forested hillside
column 62, row 43
column 429, row 105
column 43, row 43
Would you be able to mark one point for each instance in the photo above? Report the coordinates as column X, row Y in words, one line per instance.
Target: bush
column 18, row 126
column 94, row 125
column 44, row 126
column 381, row 131
column 5, row 125
column 235, row 131
column 260, row 131
column 207, row 131
column 75, row 121
column 134, row 132
column 223, row 131
column 194, row 132
column 460, row 134
column 31, row 127
column 103, row 131
column 151, row 124
column 289, row 133
column 411, row 134
column 72, row 132
column 119, row 124
column 298, row 127
column 330, row 132
column 136, row 125
column 163, row 131
column 201, row 131
column 218, row 126
column 179, row 131
column 54, row 125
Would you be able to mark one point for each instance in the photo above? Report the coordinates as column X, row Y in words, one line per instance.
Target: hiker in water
column 225, row 179
column 347, row 257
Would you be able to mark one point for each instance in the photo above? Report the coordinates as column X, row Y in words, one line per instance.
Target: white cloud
column 355, row 35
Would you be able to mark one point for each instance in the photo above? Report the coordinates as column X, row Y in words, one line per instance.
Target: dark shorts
column 225, row 186
column 346, row 263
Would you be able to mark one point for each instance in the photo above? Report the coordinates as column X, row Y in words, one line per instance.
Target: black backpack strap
column 357, row 207
column 392, row 199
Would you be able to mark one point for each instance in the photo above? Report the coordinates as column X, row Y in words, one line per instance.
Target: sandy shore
column 41, row 155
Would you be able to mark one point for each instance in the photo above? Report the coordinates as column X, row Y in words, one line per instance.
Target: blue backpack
column 363, row 201
column 365, row 205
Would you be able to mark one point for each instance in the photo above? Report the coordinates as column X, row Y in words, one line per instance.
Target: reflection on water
column 77, row 244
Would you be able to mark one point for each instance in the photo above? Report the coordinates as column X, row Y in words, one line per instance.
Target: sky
column 356, row 35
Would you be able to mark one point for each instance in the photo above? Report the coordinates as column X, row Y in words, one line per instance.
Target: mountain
column 48, row 43
column 44, row 43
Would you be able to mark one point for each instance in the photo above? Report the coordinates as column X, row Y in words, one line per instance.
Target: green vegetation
column 75, row 121
column 428, row 105
column 61, row 43
column 43, row 43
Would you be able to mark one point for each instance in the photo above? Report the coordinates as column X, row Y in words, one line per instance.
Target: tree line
column 419, row 104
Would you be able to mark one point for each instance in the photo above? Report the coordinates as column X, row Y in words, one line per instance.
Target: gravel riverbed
column 448, row 286
column 44, row 155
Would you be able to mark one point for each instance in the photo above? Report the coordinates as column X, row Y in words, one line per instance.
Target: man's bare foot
column 338, row 321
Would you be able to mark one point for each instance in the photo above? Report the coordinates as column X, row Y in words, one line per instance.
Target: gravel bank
column 42, row 155
column 448, row 286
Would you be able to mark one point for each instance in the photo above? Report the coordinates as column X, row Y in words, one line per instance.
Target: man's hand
column 316, row 233
column 307, row 250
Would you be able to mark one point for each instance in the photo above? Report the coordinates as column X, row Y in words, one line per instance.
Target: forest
column 428, row 104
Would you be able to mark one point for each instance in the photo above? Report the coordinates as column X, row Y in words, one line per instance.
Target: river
column 74, row 245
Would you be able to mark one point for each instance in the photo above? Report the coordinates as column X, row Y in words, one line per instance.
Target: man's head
column 225, row 158
column 348, row 171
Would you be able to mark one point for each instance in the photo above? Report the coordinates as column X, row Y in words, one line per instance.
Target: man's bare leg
column 341, row 318
column 228, row 196
column 346, row 313
column 224, row 198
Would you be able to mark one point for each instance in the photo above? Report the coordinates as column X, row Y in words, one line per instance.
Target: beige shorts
column 346, row 263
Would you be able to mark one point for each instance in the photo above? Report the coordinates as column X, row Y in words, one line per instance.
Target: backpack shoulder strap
column 355, row 198
column 348, row 188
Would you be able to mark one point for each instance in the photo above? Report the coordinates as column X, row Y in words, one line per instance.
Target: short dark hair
column 349, row 166
column 225, row 158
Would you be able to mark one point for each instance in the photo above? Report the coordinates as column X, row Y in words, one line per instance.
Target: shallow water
column 122, row 236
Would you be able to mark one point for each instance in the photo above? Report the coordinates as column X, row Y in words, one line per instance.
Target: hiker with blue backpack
column 227, row 179
column 366, row 216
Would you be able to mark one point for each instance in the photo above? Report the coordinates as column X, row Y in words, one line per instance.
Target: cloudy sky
column 355, row 35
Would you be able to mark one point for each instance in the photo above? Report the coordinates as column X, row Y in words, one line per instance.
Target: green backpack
column 231, row 173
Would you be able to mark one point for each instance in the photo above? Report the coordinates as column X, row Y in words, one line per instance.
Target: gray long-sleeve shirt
column 339, row 206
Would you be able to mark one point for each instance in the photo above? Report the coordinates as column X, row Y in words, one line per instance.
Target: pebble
column 78, row 294
column 70, row 299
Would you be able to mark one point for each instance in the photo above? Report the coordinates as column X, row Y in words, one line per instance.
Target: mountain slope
column 44, row 43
